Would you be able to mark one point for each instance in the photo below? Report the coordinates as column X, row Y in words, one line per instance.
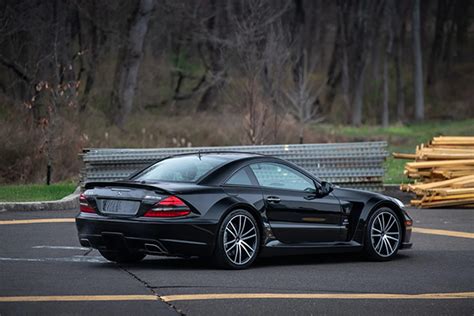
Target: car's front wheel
column 384, row 233
column 238, row 241
column 122, row 256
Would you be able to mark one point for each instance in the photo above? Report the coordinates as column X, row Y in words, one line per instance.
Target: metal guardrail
column 354, row 165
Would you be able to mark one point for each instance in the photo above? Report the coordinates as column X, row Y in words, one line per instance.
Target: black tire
column 224, row 255
column 382, row 229
column 122, row 256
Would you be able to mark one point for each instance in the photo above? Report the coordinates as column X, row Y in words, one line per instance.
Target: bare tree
column 360, row 21
column 260, row 49
column 129, row 61
column 334, row 71
column 216, row 27
column 418, row 64
column 303, row 99
column 276, row 56
column 89, row 50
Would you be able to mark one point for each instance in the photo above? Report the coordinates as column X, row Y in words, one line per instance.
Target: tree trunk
column 358, row 100
column 334, row 68
column 399, row 27
column 436, row 47
column 215, row 27
column 399, row 83
column 301, row 137
column 129, row 62
column 389, row 12
column 344, row 48
column 418, row 64
column 385, row 106
column 297, row 30
column 93, row 59
column 463, row 22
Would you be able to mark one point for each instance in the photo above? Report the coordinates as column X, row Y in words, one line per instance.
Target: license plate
column 121, row 207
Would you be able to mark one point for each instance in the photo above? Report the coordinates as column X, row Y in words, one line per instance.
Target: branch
column 17, row 69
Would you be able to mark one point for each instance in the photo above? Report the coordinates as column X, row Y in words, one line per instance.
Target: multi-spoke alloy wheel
column 238, row 240
column 384, row 234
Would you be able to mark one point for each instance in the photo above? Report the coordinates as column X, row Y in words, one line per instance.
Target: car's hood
column 363, row 196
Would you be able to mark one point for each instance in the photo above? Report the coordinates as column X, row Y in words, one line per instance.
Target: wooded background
column 151, row 73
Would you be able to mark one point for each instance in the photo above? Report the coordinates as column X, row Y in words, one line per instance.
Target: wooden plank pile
column 443, row 171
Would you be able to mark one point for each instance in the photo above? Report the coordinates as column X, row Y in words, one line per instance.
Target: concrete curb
column 67, row 203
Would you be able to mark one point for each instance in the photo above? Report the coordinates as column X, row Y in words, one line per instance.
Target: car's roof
column 228, row 155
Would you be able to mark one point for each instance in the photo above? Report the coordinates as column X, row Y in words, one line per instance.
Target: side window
column 274, row 175
column 239, row 178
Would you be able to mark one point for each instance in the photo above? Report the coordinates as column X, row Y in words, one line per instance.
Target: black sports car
column 233, row 207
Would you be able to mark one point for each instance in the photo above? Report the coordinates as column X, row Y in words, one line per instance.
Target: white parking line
column 60, row 247
column 37, row 221
column 89, row 259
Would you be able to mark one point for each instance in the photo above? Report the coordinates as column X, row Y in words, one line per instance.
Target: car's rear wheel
column 384, row 233
column 238, row 241
column 122, row 256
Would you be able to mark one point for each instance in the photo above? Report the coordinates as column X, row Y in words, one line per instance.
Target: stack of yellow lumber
column 443, row 171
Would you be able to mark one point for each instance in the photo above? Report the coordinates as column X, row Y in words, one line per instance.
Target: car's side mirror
column 324, row 188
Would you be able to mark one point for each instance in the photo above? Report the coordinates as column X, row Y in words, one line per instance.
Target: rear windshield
column 181, row 169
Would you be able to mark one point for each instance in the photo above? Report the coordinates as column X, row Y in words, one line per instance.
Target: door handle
column 273, row 199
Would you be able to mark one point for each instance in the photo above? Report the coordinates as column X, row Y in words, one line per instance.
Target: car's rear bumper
column 184, row 237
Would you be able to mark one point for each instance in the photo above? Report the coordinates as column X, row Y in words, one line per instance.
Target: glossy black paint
column 291, row 222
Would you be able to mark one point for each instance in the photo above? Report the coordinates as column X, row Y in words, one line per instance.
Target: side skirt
column 277, row 248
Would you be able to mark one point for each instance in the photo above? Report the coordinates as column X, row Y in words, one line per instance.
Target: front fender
column 371, row 206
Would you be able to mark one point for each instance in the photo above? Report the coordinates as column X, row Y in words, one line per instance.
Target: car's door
column 295, row 212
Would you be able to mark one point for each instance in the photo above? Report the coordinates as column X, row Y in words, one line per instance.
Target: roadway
column 44, row 270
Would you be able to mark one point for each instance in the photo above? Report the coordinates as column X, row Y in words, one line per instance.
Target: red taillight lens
column 84, row 205
column 168, row 207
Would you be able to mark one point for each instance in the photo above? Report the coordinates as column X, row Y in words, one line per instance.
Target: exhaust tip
column 85, row 242
column 155, row 249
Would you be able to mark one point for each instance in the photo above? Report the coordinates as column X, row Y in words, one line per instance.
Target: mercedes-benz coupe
column 234, row 207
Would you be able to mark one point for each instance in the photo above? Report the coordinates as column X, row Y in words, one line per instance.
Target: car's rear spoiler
column 128, row 184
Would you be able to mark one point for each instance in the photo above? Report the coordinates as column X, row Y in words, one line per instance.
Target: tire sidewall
column 369, row 249
column 220, row 256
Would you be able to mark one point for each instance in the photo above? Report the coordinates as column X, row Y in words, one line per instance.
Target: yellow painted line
column 78, row 298
column 37, row 221
column 442, row 232
column 345, row 296
column 220, row 296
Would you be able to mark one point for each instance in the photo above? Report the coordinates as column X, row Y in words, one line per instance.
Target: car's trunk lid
column 123, row 199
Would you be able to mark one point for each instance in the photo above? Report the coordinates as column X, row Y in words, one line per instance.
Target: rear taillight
column 84, row 205
column 168, row 207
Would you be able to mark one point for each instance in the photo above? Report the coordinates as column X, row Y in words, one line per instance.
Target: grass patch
column 35, row 192
column 400, row 138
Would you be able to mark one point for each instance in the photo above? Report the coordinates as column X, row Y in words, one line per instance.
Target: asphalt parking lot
column 43, row 270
